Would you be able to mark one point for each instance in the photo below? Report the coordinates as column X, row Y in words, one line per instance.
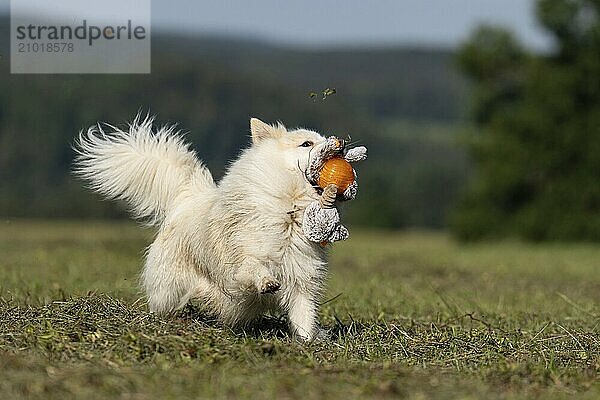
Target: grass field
column 411, row 315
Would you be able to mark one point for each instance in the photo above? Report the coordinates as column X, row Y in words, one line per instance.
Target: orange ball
column 337, row 171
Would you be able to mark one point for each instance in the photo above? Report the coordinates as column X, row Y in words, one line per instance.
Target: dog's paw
column 269, row 285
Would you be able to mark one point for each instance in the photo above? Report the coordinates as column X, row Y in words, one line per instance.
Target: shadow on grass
column 266, row 327
column 270, row 327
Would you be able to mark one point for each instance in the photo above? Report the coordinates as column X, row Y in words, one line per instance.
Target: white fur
column 224, row 244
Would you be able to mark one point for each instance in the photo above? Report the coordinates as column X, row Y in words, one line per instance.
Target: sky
column 321, row 23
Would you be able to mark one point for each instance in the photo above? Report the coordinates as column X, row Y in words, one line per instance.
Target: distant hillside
column 402, row 103
column 419, row 84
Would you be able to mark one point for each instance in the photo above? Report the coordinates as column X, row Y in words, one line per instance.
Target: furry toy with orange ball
column 332, row 165
column 331, row 170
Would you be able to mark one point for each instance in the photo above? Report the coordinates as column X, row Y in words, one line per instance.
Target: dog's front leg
column 255, row 276
column 302, row 316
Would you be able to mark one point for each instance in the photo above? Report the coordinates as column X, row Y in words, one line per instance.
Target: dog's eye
column 308, row 143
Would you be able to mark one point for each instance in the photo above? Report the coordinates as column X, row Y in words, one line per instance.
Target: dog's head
column 301, row 151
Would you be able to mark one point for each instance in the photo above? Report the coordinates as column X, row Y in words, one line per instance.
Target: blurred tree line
column 401, row 103
column 537, row 146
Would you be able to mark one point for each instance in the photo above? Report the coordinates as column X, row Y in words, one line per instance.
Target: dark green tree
column 537, row 147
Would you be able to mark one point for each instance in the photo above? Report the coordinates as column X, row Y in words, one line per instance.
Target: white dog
column 242, row 247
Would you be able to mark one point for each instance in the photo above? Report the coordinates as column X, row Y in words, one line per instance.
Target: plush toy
column 330, row 169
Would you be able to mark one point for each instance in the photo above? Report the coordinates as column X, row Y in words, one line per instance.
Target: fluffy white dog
column 251, row 244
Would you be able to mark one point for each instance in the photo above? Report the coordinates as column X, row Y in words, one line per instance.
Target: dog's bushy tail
column 146, row 169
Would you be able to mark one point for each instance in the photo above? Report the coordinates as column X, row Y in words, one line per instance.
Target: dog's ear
column 261, row 131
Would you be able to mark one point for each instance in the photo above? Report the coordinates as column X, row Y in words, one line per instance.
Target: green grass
column 417, row 316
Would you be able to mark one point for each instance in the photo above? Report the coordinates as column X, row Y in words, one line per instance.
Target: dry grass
column 418, row 316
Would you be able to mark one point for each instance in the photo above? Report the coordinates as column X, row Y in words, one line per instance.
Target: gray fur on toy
column 321, row 221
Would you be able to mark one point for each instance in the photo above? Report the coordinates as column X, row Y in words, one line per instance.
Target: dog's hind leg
column 208, row 294
column 169, row 276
